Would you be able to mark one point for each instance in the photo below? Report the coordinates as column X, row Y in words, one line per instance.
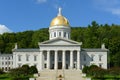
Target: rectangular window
column 84, row 58
column 59, row 33
column 27, row 57
column 8, row 58
column 45, row 66
column 35, row 57
column 8, row 62
column 68, row 36
column 5, row 63
column 19, row 65
column 19, row 57
column 100, row 65
column 92, row 57
column 2, row 63
column 64, row 34
column 35, row 65
column 100, row 57
column 54, row 34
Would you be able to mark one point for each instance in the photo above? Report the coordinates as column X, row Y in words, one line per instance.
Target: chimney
column 103, row 46
column 16, row 46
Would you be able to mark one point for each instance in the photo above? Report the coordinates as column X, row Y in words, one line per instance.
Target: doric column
column 41, row 60
column 56, row 60
column 78, row 59
column 63, row 60
column 48, row 59
column 71, row 59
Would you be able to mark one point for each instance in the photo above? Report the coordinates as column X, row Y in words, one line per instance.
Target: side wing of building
column 94, row 57
column 6, row 62
column 30, row 57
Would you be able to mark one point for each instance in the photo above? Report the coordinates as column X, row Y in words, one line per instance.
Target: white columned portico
column 56, row 61
column 63, row 60
column 78, row 59
column 48, row 59
column 71, row 59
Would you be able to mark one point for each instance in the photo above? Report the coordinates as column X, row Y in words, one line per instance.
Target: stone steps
column 60, row 74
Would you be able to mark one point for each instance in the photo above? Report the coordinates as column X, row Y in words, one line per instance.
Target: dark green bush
column 1, row 71
column 33, row 70
column 85, row 69
column 22, row 73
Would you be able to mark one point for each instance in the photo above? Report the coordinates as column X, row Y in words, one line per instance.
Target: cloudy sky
column 22, row 15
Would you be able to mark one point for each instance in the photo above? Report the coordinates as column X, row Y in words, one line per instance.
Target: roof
column 26, row 50
column 4, row 54
column 94, row 50
column 62, row 39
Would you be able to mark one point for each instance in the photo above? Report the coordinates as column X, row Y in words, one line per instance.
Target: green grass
column 108, row 77
column 4, row 77
column 8, row 77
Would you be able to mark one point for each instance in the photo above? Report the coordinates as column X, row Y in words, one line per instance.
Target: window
column 8, row 58
column 8, row 62
column 74, row 66
column 51, row 35
column 60, row 59
column 5, row 63
column 45, row 66
column 68, row 36
column 54, row 34
column 100, row 57
column 60, row 34
column 84, row 58
column 19, row 65
column 100, row 65
column 92, row 57
column 35, row 65
column 8, row 68
column 2, row 63
column 64, row 34
column 5, row 68
column 27, row 57
column 19, row 57
column 35, row 57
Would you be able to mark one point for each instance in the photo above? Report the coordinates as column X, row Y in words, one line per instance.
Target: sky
column 22, row 15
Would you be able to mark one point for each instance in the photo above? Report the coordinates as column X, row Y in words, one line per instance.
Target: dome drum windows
column 54, row 34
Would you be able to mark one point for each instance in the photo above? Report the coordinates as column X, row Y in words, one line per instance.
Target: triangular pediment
column 60, row 41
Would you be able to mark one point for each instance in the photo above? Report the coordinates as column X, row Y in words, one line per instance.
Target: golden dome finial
column 59, row 11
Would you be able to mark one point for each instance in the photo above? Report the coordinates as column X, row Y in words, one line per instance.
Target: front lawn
column 4, row 77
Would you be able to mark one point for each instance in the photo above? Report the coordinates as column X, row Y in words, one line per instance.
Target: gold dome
column 59, row 20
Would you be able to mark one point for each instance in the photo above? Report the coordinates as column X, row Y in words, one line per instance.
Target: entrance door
column 59, row 65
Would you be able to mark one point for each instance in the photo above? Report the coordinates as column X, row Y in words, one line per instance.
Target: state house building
column 59, row 52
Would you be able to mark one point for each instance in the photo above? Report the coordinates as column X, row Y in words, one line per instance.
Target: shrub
column 85, row 69
column 25, row 69
column 33, row 70
column 1, row 71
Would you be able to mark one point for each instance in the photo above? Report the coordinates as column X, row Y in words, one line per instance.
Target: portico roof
column 60, row 41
